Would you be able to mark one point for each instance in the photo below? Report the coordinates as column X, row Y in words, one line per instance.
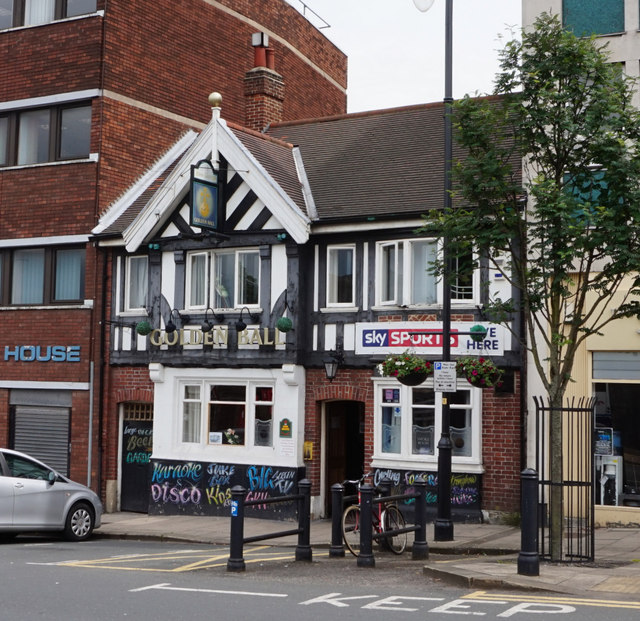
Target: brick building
column 91, row 94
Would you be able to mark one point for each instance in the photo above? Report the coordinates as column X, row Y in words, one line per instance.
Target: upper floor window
column 405, row 275
column 135, row 298
column 340, row 276
column 15, row 13
column 223, row 279
column 45, row 135
column 34, row 276
column 586, row 17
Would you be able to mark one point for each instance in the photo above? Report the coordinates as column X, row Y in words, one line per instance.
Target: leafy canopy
column 568, row 219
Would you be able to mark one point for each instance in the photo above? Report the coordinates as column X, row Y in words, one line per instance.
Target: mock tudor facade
column 313, row 217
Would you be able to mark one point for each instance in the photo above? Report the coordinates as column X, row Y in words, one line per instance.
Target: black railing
column 238, row 540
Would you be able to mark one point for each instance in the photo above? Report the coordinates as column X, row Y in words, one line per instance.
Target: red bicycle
column 385, row 517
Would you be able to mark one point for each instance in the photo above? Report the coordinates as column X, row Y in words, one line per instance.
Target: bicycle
column 385, row 516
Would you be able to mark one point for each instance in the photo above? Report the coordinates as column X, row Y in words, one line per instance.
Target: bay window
column 237, row 414
column 408, row 423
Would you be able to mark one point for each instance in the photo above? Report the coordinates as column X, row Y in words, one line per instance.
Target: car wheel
column 79, row 523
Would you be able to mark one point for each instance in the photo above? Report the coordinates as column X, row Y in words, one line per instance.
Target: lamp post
column 443, row 526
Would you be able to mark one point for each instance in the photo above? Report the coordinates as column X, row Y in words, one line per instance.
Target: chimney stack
column 263, row 86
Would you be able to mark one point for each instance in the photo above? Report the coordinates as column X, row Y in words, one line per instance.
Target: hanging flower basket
column 407, row 368
column 479, row 372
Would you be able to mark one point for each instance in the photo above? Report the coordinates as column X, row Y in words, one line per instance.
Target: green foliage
column 569, row 225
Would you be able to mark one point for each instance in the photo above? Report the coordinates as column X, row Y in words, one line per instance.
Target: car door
column 37, row 502
column 6, row 497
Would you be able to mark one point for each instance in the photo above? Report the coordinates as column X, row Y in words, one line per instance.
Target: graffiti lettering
column 257, row 496
column 175, row 495
column 218, row 497
column 267, row 478
column 191, row 471
column 138, row 458
column 220, row 474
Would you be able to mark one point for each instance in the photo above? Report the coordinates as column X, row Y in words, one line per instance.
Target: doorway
column 136, row 447
column 344, row 437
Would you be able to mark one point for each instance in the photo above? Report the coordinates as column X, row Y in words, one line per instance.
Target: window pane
column 6, row 14
column 340, row 276
column 388, row 266
column 460, row 419
column 4, row 138
column 228, row 420
column 263, row 425
column 248, row 277
column 28, row 277
column 462, row 278
column 80, row 7
column 391, row 426
column 33, row 137
column 224, row 284
column 423, row 290
column 198, row 280
column 586, row 17
column 38, row 12
column 191, row 414
column 75, row 132
column 422, row 431
column 69, row 284
column 137, row 289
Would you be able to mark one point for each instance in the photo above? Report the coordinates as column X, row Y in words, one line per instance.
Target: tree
column 570, row 224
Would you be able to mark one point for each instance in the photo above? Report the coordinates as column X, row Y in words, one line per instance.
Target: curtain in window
column 69, row 284
column 39, row 12
column 198, row 281
column 137, row 282
column 423, row 290
column 4, row 132
column 224, row 285
column 28, row 277
column 33, row 137
column 248, row 276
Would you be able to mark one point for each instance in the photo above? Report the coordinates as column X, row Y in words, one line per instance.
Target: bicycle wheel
column 391, row 520
column 351, row 529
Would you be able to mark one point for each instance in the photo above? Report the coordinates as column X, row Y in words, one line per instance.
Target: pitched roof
column 380, row 163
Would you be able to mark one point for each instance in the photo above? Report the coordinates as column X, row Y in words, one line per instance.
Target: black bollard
column 337, row 545
column 420, row 549
column 365, row 558
column 528, row 559
column 303, row 549
column 236, row 543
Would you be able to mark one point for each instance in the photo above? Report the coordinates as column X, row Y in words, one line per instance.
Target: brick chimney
column 263, row 86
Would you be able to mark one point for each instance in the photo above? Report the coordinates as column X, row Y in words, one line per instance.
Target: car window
column 25, row 468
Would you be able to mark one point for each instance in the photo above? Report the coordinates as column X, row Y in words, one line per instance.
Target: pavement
column 482, row 556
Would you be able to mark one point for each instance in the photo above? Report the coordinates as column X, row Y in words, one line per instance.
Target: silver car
column 34, row 497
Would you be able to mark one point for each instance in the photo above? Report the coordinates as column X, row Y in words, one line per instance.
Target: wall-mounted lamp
column 331, row 364
column 207, row 326
column 171, row 327
column 240, row 324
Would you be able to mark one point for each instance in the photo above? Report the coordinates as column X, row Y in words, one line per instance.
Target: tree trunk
column 556, row 511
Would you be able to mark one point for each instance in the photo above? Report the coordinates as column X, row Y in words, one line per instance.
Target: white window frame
column 251, row 401
column 332, row 285
column 210, row 272
column 405, row 457
column 404, row 276
column 127, row 287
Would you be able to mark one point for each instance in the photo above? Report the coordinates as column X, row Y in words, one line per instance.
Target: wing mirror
column 52, row 477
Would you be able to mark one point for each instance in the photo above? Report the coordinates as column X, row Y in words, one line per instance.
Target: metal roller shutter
column 43, row 432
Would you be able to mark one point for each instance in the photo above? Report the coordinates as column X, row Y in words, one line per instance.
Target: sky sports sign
column 425, row 337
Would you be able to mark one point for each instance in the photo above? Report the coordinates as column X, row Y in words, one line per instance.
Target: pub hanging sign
column 205, row 209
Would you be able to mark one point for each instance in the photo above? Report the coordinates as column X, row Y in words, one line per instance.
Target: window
column 15, row 13
column 586, row 17
column 340, row 276
column 45, row 135
column 136, row 284
column 409, row 422
column 223, row 279
column 404, row 274
column 191, row 408
column 237, row 414
column 34, row 276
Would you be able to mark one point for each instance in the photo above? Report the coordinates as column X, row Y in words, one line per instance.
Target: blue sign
column 234, row 508
column 42, row 353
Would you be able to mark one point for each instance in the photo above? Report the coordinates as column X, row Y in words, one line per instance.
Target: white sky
column 396, row 53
